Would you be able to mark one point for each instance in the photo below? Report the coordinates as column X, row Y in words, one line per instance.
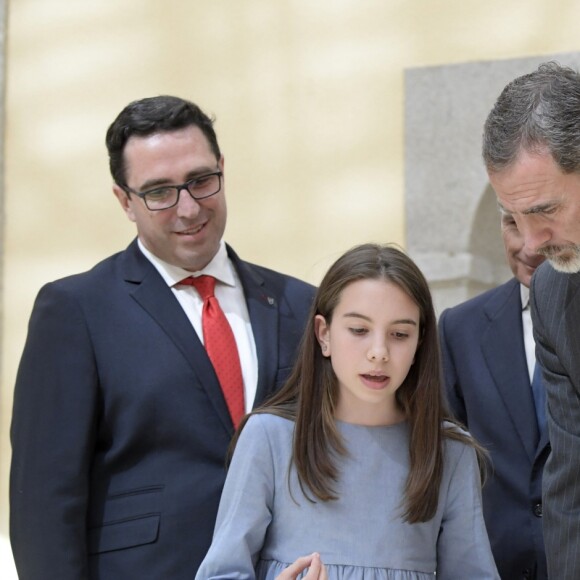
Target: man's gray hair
column 537, row 112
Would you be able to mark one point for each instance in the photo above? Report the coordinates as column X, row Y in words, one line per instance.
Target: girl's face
column 371, row 341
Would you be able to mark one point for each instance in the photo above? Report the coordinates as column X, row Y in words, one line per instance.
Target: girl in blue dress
column 354, row 470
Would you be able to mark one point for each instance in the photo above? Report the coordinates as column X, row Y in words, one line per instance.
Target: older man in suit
column 489, row 363
column 135, row 373
column 531, row 148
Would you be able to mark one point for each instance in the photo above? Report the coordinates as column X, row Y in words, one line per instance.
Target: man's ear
column 125, row 201
column 322, row 332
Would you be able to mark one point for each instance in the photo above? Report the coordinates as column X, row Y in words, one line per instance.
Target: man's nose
column 186, row 205
column 536, row 236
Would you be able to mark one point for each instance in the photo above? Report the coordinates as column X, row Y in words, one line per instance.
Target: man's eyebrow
column 161, row 182
column 152, row 183
column 540, row 208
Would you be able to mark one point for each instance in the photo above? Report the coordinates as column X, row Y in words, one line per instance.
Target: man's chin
column 566, row 264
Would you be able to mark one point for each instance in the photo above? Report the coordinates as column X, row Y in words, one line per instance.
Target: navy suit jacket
column 120, row 428
column 489, row 390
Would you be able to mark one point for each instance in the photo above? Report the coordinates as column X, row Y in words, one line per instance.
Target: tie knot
column 205, row 285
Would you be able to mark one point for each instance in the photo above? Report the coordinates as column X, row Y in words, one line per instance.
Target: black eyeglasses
column 168, row 195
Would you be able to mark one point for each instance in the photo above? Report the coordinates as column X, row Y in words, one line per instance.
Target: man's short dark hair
column 537, row 112
column 154, row 115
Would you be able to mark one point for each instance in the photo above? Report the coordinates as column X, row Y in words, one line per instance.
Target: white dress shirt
column 529, row 342
column 230, row 295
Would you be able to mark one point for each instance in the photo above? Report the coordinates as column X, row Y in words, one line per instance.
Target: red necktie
column 220, row 345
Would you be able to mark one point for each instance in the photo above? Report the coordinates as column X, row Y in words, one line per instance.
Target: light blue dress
column 265, row 522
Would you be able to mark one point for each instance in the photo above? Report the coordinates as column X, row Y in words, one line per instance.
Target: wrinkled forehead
column 530, row 185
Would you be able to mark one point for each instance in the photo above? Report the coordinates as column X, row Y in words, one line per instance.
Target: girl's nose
column 378, row 352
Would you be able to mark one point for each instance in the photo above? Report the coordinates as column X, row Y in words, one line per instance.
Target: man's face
column 188, row 234
column 522, row 262
column 545, row 205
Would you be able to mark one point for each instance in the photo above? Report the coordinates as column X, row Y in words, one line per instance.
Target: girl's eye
column 358, row 331
column 400, row 335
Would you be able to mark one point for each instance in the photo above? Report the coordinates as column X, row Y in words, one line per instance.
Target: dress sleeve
column 463, row 549
column 245, row 509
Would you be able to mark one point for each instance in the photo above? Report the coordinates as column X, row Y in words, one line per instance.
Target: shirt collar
column 525, row 295
column 220, row 267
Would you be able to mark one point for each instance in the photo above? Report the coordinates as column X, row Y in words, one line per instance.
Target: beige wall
column 309, row 104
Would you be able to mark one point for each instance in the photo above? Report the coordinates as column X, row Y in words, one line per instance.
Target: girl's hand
column 317, row 570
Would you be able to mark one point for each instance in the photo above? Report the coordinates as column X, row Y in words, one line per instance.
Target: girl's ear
column 322, row 332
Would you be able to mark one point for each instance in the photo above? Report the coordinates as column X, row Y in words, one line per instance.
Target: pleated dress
column 265, row 522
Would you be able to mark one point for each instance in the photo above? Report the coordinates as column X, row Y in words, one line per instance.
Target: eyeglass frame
column 142, row 194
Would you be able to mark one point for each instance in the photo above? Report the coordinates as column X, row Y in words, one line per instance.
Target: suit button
column 527, row 573
column 538, row 510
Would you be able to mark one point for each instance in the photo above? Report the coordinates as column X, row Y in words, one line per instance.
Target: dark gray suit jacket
column 555, row 301
column 489, row 390
column 120, row 427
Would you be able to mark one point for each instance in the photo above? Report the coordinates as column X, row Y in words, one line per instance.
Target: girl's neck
column 369, row 417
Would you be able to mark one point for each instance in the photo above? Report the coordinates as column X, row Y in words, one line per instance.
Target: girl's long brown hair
column 310, row 395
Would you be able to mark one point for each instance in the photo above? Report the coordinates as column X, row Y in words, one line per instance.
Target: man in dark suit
column 488, row 361
column 531, row 148
column 120, row 425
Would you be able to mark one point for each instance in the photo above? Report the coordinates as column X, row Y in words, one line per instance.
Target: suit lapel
column 263, row 310
column 155, row 297
column 509, row 372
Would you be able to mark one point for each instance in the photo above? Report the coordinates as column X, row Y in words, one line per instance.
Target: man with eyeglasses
column 135, row 374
